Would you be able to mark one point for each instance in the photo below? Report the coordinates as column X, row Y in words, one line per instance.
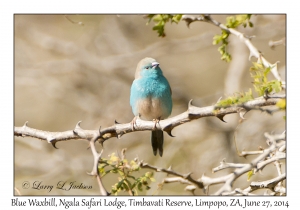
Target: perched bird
column 150, row 98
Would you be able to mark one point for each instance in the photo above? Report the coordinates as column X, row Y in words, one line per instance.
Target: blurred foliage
column 235, row 21
column 223, row 38
column 231, row 22
column 160, row 20
column 281, row 103
column 261, row 84
column 127, row 180
column 237, row 98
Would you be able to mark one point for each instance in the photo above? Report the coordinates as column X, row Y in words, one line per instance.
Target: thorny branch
column 117, row 130
column 167, row 125
column 92, row 136
column 246, row 39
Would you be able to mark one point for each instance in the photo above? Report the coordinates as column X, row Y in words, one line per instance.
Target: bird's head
column 147, row 67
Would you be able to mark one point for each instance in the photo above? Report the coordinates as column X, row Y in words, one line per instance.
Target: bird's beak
column 154, row 64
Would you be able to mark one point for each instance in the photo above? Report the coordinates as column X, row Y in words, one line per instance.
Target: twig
column 274, row 44
column 74, row 22
column 224, row 165
column 228, row 179
column 271, row 184
column 187, row 177
column 246, row 39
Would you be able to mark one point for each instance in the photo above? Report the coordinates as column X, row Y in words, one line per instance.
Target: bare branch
column 224, row 165
column 271, row 184
column 256, row 164
column 97, row 156
column 246, row 153
column 187, row 177
column 176, row 179
column 277, row 157
column 274, row 44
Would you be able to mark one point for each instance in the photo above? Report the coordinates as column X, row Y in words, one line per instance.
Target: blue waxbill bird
column 150, row 98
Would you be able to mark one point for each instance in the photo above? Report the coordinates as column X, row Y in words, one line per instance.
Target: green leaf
column 152, row 179
column 125, row 185
column 223, row 38
column 140, row 186
column 115, row 170
column 114, row 158
column 249, row 175
column 160, row 20
column 134, row 166
column 160, row 29
column 120, row 183
column 237, row 98
column 130, row 176
column 133, row 185
column 231, row 22
column 277, row 86
column 176, row 18
column 157, row 18
column 235, row 21
column 148, row 174
column 260, row 73
column 225, row 34
column 256, row 66
column 267, row 71
column 150, row 17
column 126, row 169
column 217, row 39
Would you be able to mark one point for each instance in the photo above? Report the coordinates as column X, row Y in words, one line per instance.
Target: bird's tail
column 157, row 141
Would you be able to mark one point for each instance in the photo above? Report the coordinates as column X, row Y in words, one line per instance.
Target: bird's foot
column 156, row 121
column 133, row 122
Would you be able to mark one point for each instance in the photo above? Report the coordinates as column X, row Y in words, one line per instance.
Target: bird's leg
column 156, row 121
column 133, row 122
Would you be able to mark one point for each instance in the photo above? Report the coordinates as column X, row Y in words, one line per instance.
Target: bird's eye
column 147, row 67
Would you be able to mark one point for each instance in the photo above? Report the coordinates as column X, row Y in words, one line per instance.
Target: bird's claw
column 156, row 121
column 133, row 122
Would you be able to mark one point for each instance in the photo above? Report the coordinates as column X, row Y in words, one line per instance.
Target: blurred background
column 67, row 72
